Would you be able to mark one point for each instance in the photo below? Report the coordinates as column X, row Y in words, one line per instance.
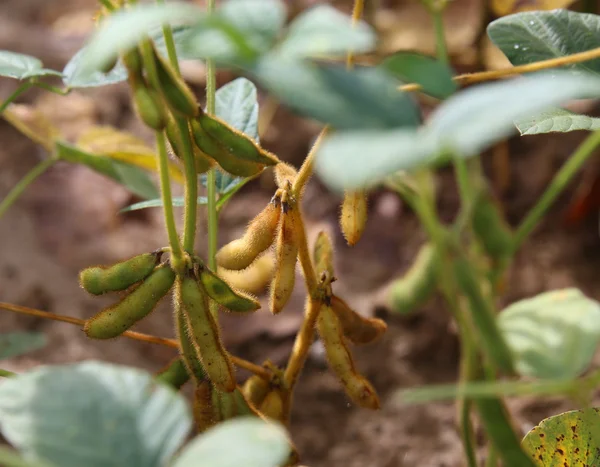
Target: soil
column 68, row 219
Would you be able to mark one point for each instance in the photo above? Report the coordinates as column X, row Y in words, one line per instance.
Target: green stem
column 558, row 184
column 54, row 89
column 492, row 457
column 440, row 40
column 20, row 90
column 468, row 364
column 20, row 187
column 191, row 186
column 167, row 199
column 6, row 373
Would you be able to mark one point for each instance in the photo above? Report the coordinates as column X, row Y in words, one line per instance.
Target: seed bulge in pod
column 116, row 319
column 148, row 106
column 259, row 236
column 358, row 329
column 222, row 293
column 98, row 280
column 353, row 218
column 255, row 389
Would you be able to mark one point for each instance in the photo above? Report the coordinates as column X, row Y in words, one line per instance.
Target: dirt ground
column 68, row 220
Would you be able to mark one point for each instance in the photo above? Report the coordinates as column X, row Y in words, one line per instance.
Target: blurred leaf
column 556, row 120
column 257, row 444
column 20, row 66
column 10, row 458
column 18, row 343
column 542, row 35
column 125, row 28
column 346, row 99
column 93, row 414
column 157, row 203
column 325, row 31
column 506, row 7
column 435, row 77
column 124, row 147
column 133, row 178
column 552, row 335
column 569, row 439
column 464, row 125
column 32, row 123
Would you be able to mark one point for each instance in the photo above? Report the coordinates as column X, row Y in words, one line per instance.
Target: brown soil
column 68, row 220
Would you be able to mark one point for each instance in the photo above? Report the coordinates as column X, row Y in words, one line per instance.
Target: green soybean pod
column 411, row 291
column 98, row 280
column 491, row 228
column 482, row 313
column 202, row 162
column 205, row 413
column 204, row 333
column 222, row 293
column 148, row 106
column 175, row 374
column 499, row 430
column 176, row 93
column 116, row 319
column 187, row 351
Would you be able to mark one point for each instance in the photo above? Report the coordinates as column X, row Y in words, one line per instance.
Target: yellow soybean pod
column 98, row 280
column 116, row 319
column 353, row 218
column 255, row 278
column 358, row 329
column 286, row 256
column 323, row 254
column 222, row 293
column 204, row 333
column 255, row 389
column 340, row 360
column 285, row 175
column 272, row 405
column 260, row 234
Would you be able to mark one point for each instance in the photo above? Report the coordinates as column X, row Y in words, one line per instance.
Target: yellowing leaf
column 33, row 124
column 508, row 7
column 124, row 147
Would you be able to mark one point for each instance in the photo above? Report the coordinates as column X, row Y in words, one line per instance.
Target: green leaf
column 157, row 203
column 540, row 35
column 133, row 178
column 10, row 458
column 125, row 28
column 556, row 120
column 257, row 444
column 237, row 104
column 464, row 125
column 18, row 343
column 552, row 335
column 569, row 439
column 325, row 31
column 93, row 414
column 346, row 99
column 434, row 76
column 20, row 66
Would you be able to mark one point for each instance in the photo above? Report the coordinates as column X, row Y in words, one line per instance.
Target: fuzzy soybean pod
column 222, row 293
column 323, row 254
column 205, row 413
column 353, row 217
column 418, row 284
column 483, row 315
column 358, row 329
column 98, row 280
column 340, row 360
column 491, row 229
column 255, row 389
column 116, row 319
column 203, row 163
column 187, row 350
column 148, row 105
column 286, row 258
column 175, row 374
column 204, row 333
column 272, row 405
column 259, row 236
column 176, row 93
column 132, row 60
column 231, row 404
column 285, row 175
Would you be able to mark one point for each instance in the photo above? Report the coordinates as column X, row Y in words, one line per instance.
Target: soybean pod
column 187, row 350
column 116, row 319
column 358, row 329
column 491, row 228
column 272, row 405
column 255, row 389
column 323, row 254
column 222, row 293
column 205, row 414
column 175, row 374
column 98, row 280
column 204, row 332
column 353, row 218
column 286, row 258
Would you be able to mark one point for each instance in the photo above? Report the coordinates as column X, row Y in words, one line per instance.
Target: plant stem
column 440, row 40
column 54, row 89
column 167, row 200
column 20, row 90
column 20, row 187
column 558, row 184
column 470, row 78
column 307, row 166
column 6, row 373
column 191, row 187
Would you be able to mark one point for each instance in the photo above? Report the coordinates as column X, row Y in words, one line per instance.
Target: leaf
column 10, row 458
column 18, row 343
column 568, row 439
column 346, row 99
column 464, row 125
column 552, row 335
column 541, row 35
column 124, row 147
column 435, row 77
column 133, row 178
column 93, row 414
column 556, row 120
column 33, row 124
column 237, row 104
column 20, row 66
column 238, row 31
column 125, row 28
column 257, row 444
column 325, row 31
column 157, row 203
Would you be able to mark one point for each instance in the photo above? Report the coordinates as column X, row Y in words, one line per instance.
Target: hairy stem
column 307, row 166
